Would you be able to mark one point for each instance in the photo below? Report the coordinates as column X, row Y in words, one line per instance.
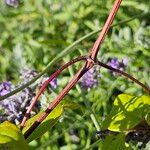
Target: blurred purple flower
column 115, row 63
column 125, row 61
column 90, row 78
column 13, row 108
column 53, row 83
column 5, row 88
column 27, row 75
column 13, row 3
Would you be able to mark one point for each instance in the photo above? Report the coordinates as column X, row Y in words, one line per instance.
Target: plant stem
column 126, row 75
column 64, row 52
column 45, row 84
column 94, row 50
column 93, row 145
column 86, row 102
column 88, row 65
column 90, row 62
column 95, row 122
column 92, row 114
column 52, row 105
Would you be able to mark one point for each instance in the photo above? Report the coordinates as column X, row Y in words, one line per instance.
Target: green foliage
column 11, row 137
column 128, row 114
column 37, row 32
column 128, row 111
column 50, row 120
column 115, row 142
column 148, row 118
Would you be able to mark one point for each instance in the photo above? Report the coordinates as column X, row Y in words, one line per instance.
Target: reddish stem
column 94, row 50
column 53, row 104
column 45, row 84
column 126, row 75
column 89, row 63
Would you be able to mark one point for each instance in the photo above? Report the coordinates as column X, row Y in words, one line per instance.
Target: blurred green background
column 32, row 34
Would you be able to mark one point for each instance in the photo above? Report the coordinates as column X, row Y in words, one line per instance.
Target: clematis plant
column 89, row 80
column 90, row 61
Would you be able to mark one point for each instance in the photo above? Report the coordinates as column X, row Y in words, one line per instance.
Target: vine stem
column 63, row 53
column 45, row 84
column 94, row 50
column 86, row 102
column 88, row 65
column 54, row 103
column 124, row 74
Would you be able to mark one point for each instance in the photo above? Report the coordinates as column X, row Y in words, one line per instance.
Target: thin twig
column 45, row 84
column 85, row 100
column 89, row 64
column 94, row 50
column 65, row 52
column 53, row 104
column 126, row 75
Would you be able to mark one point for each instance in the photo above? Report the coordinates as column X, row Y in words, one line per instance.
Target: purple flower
column 13, row 108
column 27, row 75
column 13, row 3
column 90, row 78
column 125, row 61
column 53, row 83
column 115, row 63
column 5, row 88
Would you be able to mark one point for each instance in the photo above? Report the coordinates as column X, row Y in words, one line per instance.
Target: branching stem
column 95, row 49
column 45, row 84
column 63, row 53
column 126, row 75
column 53, row 104
column 90, row 62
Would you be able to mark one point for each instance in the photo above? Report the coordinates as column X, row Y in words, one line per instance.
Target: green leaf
column 147, row 118
column 11, row 137
column 128, row 111
column 50, row 120
column 114, row 142
column 73, row 106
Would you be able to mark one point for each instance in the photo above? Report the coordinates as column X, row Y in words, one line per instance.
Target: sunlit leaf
column 127, row 112
column 11, row 137
column 50, row 120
